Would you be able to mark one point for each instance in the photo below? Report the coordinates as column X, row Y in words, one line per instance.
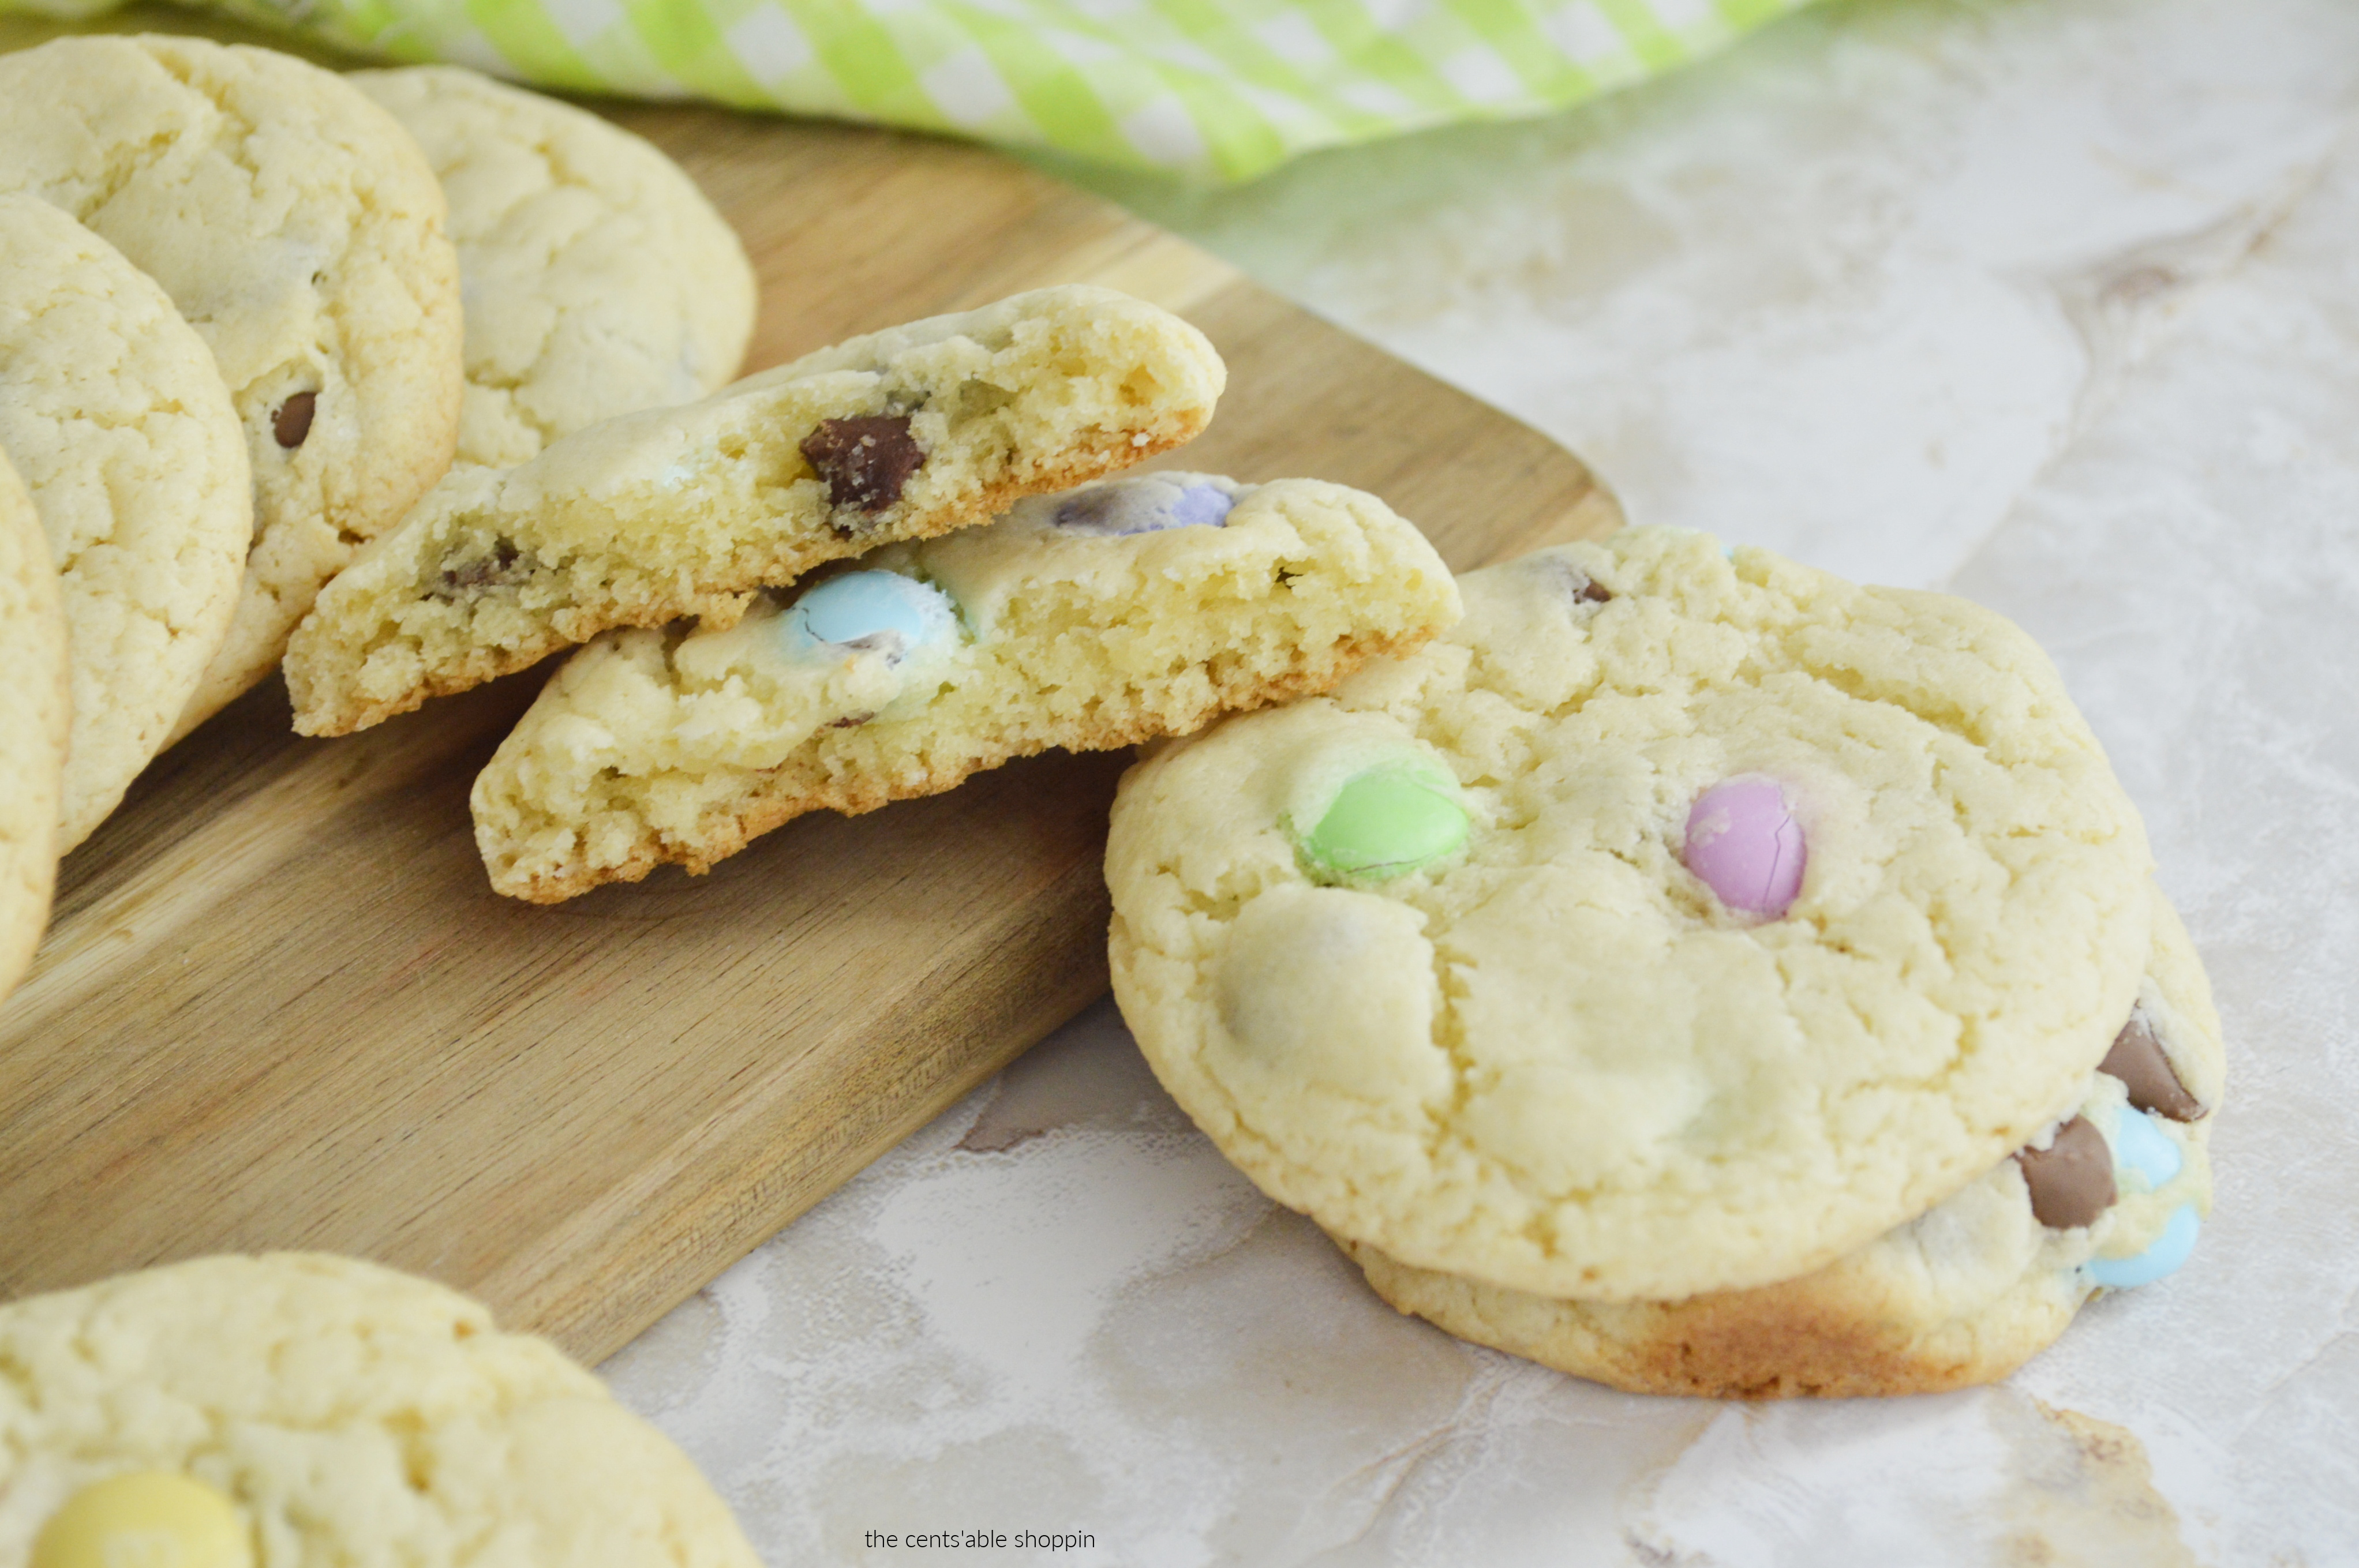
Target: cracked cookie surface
column 35, row 703
column 297, row 228
column 1091, row 620
column 903, row 434
column 1963, row 1294
column 1550, row 1058
column 598, row 279
column 115, row 417
column 345, row 1414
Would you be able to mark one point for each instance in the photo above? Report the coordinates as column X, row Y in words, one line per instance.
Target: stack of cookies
column 1692, row 971
column 231, row 349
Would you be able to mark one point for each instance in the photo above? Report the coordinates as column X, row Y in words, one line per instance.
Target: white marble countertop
column 2054, row 305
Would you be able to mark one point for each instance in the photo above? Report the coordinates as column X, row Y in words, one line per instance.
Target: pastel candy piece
column 2139, row 1145
column 1203, row 505
column 145, row 1518
column 1144, row 505
column 1385, row 823
column 2138, row 1060
column 1747, row 846
column 870, row 608
column 2170, row 1251
column 2071, row 1179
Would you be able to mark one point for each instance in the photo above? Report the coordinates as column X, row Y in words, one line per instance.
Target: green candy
column 1385, row 823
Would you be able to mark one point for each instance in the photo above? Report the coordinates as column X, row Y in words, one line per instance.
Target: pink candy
column 1747, row 846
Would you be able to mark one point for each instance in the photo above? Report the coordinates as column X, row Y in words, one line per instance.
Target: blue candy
column 872, row 604
column 2171, row 1250
column 2140, row 1146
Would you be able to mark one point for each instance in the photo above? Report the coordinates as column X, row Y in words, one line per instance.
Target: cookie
column 115, row 417
column 1096, row 619
column 1437, row 961
column 35, row 705
column 300, row 1409
column 598, row 279
column 900, row 435
column 300, row 231
column 1963, row 1295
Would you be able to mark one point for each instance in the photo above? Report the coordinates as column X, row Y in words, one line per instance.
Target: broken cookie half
column 1126, row 610
column 903, row 434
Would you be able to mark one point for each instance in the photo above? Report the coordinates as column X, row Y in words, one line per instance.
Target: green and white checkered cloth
column 1225, row 89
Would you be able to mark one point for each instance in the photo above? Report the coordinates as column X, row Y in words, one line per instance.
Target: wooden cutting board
column 279, row 1007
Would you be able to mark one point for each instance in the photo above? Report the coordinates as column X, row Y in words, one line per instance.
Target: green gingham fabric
column 1224, row 89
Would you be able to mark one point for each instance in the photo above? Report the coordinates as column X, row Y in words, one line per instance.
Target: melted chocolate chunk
column 484, row 571
column 2071, row 1179
column 850, row 721
column 293, row 420
column 866, row 460
column 1579, row 586
column 2137, row 1059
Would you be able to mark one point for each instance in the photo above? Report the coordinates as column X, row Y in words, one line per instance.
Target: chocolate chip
column 866, row 460
column 2071, row 1179
column 496, row 569
column 1579, row 585
column 849, row 721
column 293, row 420
column 2137, row 1059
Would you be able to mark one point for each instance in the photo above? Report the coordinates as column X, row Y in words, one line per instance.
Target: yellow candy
column 149, row 1518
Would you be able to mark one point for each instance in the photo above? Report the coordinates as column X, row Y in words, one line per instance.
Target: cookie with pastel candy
column 1693, row 971
column 1090, row 619
column 648, row 517
column 300, row 1409
column 2111, row 1197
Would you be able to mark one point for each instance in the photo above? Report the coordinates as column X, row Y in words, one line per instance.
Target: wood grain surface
column 279, row 1006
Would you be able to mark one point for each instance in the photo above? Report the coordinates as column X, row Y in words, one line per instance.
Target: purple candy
column 1143, row 506
column 1201, row 503
column 1747, row 846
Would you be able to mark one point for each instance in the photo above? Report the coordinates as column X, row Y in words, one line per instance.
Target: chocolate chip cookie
column 903, row 434
column 298, row 229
